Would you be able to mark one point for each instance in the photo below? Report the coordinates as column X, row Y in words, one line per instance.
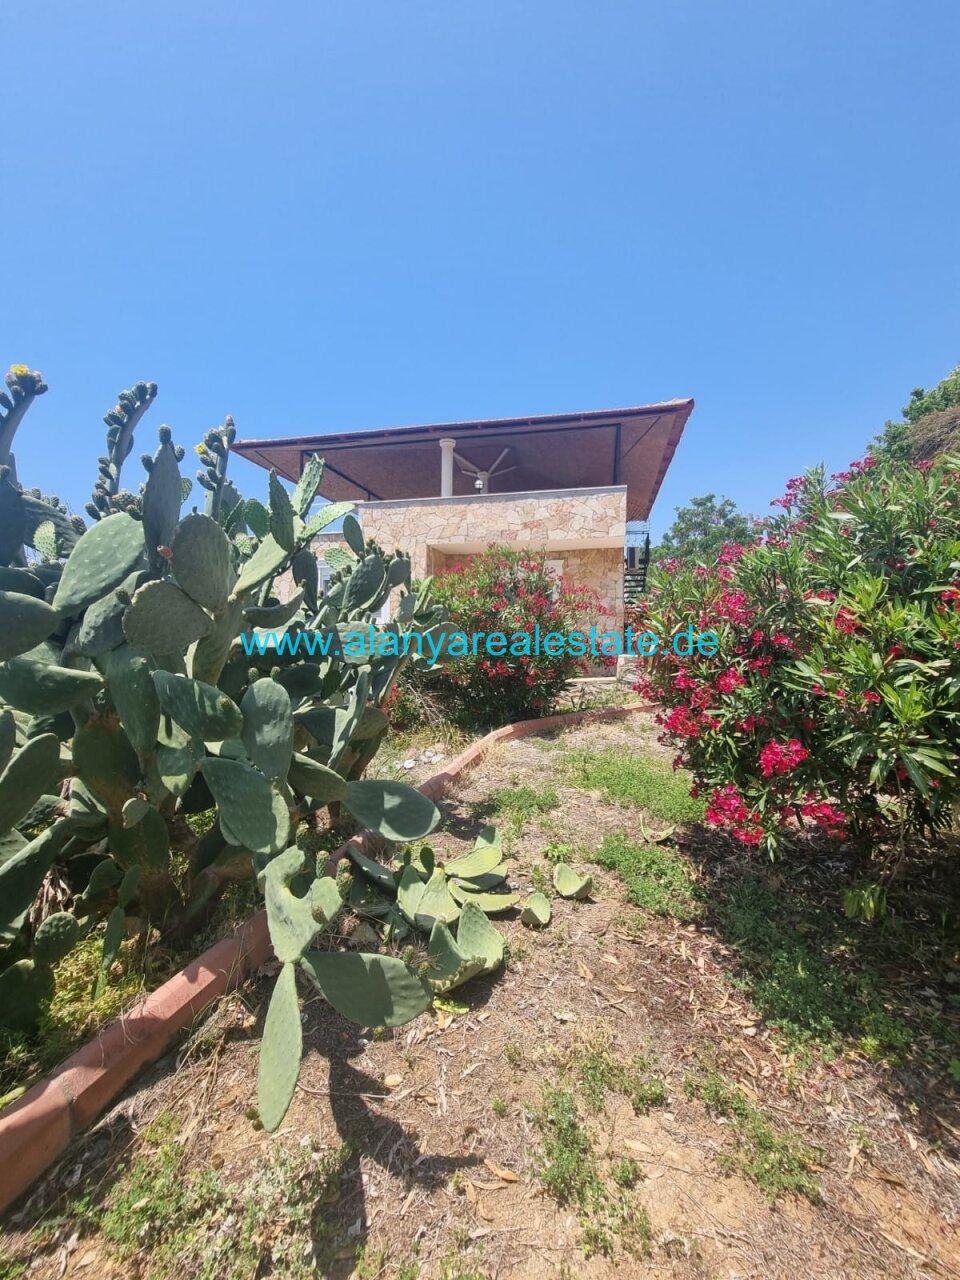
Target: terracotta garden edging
column 37, row 1128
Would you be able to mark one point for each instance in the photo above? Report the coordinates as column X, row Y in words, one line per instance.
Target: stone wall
column 583, row 528
column 564, row 519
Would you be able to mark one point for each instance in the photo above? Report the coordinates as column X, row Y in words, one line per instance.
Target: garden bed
column 704, row 1069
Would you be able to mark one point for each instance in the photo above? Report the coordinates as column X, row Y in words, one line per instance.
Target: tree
column 701, row 529
column 931, row 423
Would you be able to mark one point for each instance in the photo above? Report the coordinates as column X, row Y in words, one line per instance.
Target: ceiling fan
column 482, row 478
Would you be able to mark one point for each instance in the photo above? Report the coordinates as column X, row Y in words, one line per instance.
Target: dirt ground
column 442, row 1171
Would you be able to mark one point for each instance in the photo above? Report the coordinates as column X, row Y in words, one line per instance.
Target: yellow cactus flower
column 19, row 370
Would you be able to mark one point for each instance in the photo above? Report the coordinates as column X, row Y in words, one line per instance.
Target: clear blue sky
column 324, row 216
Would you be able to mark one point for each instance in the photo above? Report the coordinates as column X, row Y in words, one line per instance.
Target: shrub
column 832, row 700
column 509, row 591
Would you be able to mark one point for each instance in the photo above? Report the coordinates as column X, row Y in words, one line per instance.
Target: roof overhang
column 632, row 447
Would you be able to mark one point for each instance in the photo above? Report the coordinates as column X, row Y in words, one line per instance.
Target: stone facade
column 584, row 529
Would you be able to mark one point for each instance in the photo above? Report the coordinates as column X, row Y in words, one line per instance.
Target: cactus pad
column 353, row 535
column 280, row 1051
column 145, row 845
column 450, row 964
column 203, row 561
column 25, row 988
column 252, row 815
column 311, row 477
column 295, row 921
column 319, row 784
column 102, row 558
column 134, row 695
column 281, row 513
column 43, row 688
column 268, row 727
column 57, row 935
column 162, row 500
column 373, row 990
column 569, row 883
column 436, row 902
column 163, row 619
column 391, row 809
column 476, row 936
column 263, row 564
column 536, row 911
column 203, row 710
column 107, row 763
column 33, row 771
column 24, row 622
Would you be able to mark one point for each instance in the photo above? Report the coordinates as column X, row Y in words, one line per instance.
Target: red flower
column 777, row 758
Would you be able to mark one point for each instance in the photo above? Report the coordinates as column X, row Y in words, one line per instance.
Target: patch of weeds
column 11, row 1269
column 638, row 781
column 513, row 1054
column 541, row 881
column 560, row 851
column 372, row 1263
column 155, row 1207
column 778, row 1162
column 518, row 804
column 73, row 1015
column 656, row 877
column 566, row 1164
column 498, row 1106
column 626, row 1173
column 184, row 1221
column 569, row 1174
column 452, row 1269
column 797, row 956
column 600, row 1071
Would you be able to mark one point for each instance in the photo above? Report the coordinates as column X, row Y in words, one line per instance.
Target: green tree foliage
column 702, row 528
column 930, row 426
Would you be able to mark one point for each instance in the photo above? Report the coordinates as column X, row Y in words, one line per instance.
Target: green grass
column 637, row 781
column 801, row 969
column 780, row 1163
column 609, row 1216
column 518, row 805
column 656, row 876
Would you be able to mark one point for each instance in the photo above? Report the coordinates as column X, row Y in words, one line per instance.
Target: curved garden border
column 37, row 1128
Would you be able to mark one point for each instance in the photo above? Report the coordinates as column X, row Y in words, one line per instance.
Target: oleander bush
column 833, row 701
column 511, row 592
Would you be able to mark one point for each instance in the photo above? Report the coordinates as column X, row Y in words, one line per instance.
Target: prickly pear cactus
column 133, row 696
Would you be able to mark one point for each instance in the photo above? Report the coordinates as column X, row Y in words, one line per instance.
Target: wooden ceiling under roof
column 632, row 447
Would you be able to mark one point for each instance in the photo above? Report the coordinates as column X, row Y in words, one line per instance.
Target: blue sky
column 324, row 216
